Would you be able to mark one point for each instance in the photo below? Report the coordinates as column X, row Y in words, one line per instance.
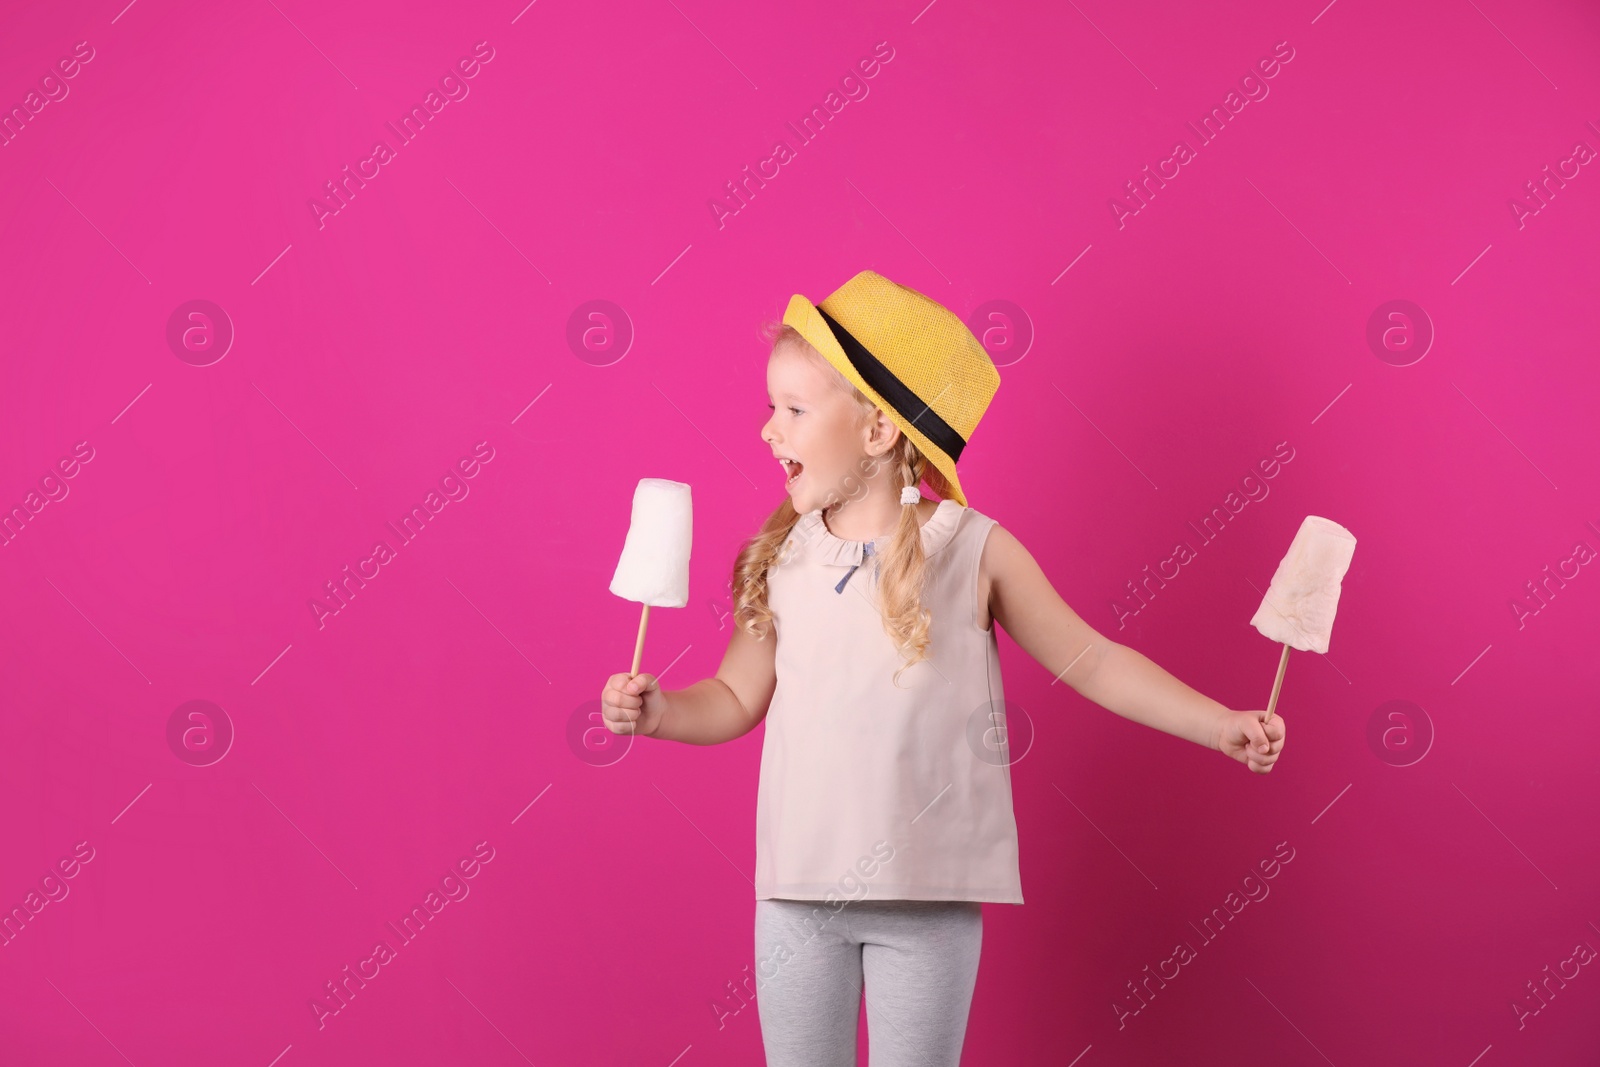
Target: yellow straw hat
column 913, row 357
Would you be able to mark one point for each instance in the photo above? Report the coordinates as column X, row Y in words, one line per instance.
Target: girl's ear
column 884, row 430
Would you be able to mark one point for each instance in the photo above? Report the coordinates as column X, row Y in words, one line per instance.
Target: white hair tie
column 910, row 495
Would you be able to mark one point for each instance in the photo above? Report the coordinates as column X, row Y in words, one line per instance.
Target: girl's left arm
column 1118, row 678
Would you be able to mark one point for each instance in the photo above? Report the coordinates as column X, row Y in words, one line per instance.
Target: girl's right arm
column 709, row 712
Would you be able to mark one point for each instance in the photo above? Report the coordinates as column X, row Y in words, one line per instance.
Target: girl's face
column 816, row 424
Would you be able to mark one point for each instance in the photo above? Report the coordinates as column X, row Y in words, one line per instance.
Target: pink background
column 1169, row 356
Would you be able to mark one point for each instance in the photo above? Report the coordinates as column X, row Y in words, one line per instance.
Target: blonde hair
column 902, row 565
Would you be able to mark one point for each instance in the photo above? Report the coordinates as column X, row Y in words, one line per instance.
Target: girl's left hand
column 1252, row 742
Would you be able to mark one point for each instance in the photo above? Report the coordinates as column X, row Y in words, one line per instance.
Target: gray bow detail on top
column 866, row 550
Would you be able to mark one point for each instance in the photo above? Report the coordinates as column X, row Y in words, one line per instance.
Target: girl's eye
column 793, row 409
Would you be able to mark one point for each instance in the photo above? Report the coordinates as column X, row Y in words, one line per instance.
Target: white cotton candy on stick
column 654, row 568
column 1300, row 603
column 1298, row 608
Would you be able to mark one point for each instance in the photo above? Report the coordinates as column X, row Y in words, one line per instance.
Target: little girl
column 864, row 639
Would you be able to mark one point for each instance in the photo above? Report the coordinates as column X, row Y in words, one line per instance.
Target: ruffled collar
column 827, row 547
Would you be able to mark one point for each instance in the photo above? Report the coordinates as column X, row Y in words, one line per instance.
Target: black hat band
column 895, row 392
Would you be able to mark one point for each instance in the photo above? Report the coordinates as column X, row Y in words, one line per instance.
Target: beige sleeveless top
column 868, row 789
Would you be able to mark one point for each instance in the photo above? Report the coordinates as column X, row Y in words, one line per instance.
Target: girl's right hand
column 632, row 703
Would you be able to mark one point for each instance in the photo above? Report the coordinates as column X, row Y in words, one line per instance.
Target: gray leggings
column 919, row 959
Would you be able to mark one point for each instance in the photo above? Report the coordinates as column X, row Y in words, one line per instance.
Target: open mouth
column 792, row 469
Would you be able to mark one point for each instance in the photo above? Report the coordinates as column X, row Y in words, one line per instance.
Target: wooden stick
column 644, row 618
column 1277, row 683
